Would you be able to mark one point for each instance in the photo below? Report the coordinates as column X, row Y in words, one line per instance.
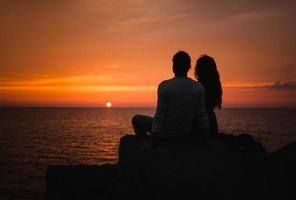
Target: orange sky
column 87, row 52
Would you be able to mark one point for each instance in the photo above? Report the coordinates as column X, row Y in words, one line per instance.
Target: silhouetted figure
column 180, row 105
column 207, row 74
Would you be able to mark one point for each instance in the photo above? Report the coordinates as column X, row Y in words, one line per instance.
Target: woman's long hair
column 207, row 74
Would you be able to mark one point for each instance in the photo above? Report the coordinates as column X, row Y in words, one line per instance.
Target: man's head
column 181, row 63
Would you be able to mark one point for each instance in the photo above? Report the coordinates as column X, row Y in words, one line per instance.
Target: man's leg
column 142, row 124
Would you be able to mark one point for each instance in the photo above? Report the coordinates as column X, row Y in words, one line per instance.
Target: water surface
column 31, row 139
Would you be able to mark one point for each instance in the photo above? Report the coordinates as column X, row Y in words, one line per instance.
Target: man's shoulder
column 177, row 81
column 199, row 87
column 173, row 81
column 165, row 82
column 166, row 85
column 195, row 83
column 198, row 84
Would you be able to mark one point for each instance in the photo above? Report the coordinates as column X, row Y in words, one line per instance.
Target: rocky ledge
column 233, row 167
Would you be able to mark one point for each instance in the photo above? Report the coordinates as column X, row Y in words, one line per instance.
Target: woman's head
column 206, row 72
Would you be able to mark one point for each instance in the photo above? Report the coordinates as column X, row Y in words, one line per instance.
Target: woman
column 207, row 74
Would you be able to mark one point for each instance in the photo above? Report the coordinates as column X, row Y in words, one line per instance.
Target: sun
column 108, row 104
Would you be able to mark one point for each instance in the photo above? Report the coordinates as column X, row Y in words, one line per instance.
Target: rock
column 243, row 142
column 188, row 169
column 281, row 166
column 80, row 182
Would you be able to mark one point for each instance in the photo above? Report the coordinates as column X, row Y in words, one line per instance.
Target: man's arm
column 161, row 111
column 202, row 116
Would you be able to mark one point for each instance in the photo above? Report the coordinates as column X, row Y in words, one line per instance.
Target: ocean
column 31, row 139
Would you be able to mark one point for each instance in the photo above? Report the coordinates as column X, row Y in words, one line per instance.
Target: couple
column 185, row 107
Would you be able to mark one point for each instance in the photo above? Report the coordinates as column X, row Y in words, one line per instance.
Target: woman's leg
column 142, row 124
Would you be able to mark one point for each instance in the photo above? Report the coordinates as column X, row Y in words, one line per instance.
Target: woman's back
column 207, row 74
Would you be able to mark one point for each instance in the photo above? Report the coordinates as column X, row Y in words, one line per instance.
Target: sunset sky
column 89, row 52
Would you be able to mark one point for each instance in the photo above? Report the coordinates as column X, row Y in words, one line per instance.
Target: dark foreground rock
column 81, row 182
column 281, row 172
column 186, row 169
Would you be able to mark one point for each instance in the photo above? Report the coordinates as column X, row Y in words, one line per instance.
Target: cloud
column 74, row 83
column 279, row 85
column 70, row 80
column 282, row 85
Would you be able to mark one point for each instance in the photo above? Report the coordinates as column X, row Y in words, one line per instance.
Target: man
column 180, row 106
